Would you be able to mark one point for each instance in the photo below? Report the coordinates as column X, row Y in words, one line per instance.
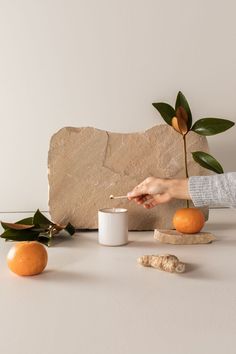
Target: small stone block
column 177, row 238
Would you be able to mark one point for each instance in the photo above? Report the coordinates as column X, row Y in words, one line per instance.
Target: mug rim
column 113, row 210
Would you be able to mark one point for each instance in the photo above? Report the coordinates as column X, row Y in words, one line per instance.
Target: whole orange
column 188, row 220
column 27, row 258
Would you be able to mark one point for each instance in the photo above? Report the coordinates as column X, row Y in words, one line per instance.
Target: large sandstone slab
column 87, row 165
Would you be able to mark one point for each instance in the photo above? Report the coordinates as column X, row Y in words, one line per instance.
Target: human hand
column 153, row 191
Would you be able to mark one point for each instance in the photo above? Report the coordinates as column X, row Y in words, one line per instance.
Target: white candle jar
column 113, row 226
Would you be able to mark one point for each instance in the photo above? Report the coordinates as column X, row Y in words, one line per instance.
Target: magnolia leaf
column 166, row 111
column 16, row 226
column 207, row 161
column 179, row 125
column 211, row 126
column 40, row 219
column 70, row 229
column 181, row 113
column 182, row 102
column 26, row 221
column 20, row 235
column 45, row 237
column 44, row 240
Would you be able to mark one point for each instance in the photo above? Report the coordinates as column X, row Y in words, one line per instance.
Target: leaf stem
column 185, row 163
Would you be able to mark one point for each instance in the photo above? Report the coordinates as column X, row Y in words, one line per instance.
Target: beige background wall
column 102, row 63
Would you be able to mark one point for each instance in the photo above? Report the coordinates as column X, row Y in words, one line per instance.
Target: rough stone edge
column 162, row 237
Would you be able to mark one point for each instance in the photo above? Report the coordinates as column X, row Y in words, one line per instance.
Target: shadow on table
column 141, row 243
column 193, row 271
column 70, row 241
column 196, row 271
column 66, row 276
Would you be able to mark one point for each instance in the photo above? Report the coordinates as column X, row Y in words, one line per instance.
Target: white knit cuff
column 214, row 190
column 200, row 190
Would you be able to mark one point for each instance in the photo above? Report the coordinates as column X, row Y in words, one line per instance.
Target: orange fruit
column 27, row 258
column 188, row 220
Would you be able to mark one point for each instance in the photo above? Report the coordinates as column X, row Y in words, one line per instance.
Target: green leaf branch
column 180, row 118
column 36, row 228
column 207, row 161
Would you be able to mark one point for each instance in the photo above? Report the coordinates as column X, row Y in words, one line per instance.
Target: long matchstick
column 118, row 197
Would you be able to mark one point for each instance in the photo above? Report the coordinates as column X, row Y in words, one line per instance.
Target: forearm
column 178, row 188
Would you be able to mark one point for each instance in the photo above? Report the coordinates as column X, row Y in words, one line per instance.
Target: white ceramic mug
column 113, row 226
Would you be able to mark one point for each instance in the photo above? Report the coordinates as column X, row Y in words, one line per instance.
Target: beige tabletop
column 96, row 300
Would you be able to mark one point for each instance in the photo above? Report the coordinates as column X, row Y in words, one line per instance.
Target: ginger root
column 167, row 262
